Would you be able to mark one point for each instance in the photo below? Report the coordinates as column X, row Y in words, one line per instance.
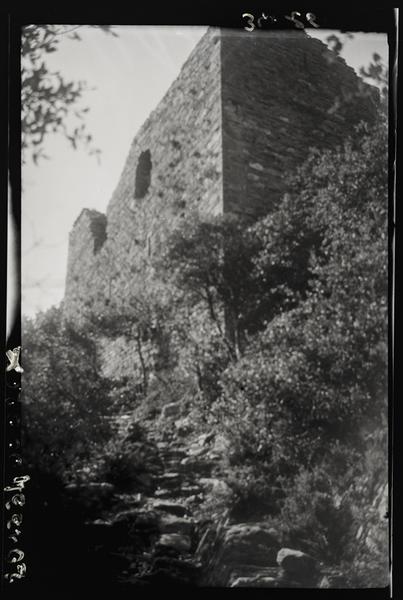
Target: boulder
column 298, row 565
column 250, row 543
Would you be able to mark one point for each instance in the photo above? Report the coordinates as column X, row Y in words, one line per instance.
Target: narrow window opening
column 143, row 175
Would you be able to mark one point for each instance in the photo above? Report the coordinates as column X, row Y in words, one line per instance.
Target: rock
column 185, row 566
column 258, row 582
column 93, row 496
column 171, row 570
column 172, row 409
column 337, row 581
column 190, row 490
column 194, row 451
column 177, row 541
column 128, row 516
column 194, row 499
column 130, row 499
column 167, row 477
column 324, row 582
column 253, row 533
column 162, row 445
column 249, row 543
column 146, row 520
column 173, row 524
column 183, row 426
column 162, row 493
column 170, row 507
column 101, row 488
column 214, row 485
column 140, row 519
column 242, row 582
column 213, row 456
column 205, row 438
column 297, row 564
column 220, row 444
column 94, row 488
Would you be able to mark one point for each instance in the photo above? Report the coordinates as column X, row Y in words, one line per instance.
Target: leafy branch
column 49, row 103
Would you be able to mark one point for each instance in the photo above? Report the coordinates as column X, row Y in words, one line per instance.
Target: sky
column 128, row 76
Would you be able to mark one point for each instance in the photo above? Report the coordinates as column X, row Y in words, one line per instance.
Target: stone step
column 250, row 570
column 172, row 524
column 177, row 541
column 190, row 490
column 169, row 506
column 174, row 486
column 173, row 450
column 169, row 570
column 193, row 500
column 169, row 476
column 179, row 493
column 163, row 494
column 254, row 582
column 183, row 480
column 172, row 464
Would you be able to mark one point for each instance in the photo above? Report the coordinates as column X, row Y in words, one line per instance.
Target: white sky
column 130, row 74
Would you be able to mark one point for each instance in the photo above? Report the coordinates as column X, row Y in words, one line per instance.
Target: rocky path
column 163, row 538
column 153, row 537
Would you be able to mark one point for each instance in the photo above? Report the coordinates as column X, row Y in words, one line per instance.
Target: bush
column 66, row 399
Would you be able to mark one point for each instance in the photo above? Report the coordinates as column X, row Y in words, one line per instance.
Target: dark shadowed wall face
column 283, row 93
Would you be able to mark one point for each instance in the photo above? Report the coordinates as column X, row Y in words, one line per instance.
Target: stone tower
column 241, row 116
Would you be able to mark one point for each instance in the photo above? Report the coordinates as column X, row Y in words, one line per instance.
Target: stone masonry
column 239, row 119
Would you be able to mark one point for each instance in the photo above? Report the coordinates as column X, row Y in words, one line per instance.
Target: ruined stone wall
column 236, row 123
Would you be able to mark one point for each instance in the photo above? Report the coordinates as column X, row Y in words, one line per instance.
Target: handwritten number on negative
column 311, row 18
column 251, row 24
column 293, row 18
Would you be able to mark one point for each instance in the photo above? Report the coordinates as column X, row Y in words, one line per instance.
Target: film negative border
column 17, row 482
column 15, row 490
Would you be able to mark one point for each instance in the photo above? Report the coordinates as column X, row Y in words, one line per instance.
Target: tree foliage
column 66, row 398
column 49, row 102
column 310, row 393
